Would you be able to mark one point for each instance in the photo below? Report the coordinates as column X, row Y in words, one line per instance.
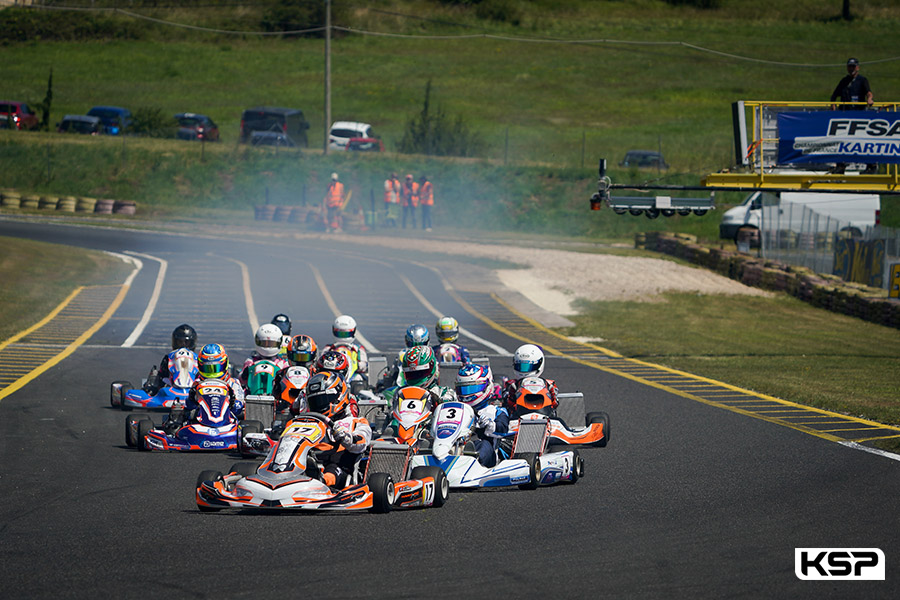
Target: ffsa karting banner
column 839, row 136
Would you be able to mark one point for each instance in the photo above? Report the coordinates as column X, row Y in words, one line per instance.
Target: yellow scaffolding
column 760, row 170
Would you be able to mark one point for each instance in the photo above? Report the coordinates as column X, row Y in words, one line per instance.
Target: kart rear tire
column 441, row 483
column 382, row 488
column 115, row 392
column 534, row 471
column 210, row 475
column 130, row 433
column 244, row 469
column 577, row 467
column 599, row 417
column 144, row 427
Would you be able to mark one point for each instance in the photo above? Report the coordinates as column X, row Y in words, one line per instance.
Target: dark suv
column 289, row 122
column 115, row 119
column 18, row 115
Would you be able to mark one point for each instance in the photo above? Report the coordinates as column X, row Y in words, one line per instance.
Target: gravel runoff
column 553, row 279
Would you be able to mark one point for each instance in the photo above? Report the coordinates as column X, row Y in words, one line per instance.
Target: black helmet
column 184, row 336
column 284, row 323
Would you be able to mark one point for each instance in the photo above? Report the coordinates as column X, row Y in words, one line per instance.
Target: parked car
column 342, row 132
column 18, row 115
column 289, row 122
column 115, row 119
column 79, row 124
column 271, row 138
column 644, row 159
column 361, row 144
column 192, row 126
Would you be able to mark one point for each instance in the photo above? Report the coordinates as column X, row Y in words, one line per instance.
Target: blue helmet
column 474, row 385
column 416, row 335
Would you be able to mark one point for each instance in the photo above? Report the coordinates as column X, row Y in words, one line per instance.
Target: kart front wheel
column 131, row 433
column 244, row 469
column 577, row 467
column 441, row 483
column 117, row 391
column 534, row 471
column 144, row 427
column 382, row 488
column 599, row 417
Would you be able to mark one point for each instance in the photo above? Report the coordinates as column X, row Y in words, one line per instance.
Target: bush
column 30, row 25
column 433, row 133
column 150, row 122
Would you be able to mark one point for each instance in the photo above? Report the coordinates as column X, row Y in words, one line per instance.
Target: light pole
column 327, row 71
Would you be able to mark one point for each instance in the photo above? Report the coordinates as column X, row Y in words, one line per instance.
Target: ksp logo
column 817, row 564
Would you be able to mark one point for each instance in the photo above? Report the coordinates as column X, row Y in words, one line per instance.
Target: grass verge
column 778, row 346
column 38, row 276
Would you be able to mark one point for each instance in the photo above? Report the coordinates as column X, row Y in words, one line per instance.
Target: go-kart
column 410, row 418
column 214, row 427
column 528, row 466
column 153, row 394
column 533, row 401
column 291, row 477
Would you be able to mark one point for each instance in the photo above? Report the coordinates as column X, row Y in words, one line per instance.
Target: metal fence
column 794, row 234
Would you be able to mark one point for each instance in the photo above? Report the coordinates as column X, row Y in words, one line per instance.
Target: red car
column 192, row 126
column 18, row 115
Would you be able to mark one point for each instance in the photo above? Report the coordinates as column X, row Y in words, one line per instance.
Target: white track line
column 498, row 349
column 154, row 297
column 335, row 310
column 248, row 296
column 883, row 453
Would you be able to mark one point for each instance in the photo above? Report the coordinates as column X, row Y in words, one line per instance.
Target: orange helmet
column 334, row 361
column 326, row 393
column 303, row 351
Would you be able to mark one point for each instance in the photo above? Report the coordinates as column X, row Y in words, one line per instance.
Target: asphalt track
column 690, row 499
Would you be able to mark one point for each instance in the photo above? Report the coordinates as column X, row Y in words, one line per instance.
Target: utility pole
column 327, row 71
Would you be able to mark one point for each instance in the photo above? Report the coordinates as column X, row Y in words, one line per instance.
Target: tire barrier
column 125, row 207
column 282, row 213
column 824, row 291
column 66, row 204
column 48, row 203
column 298, row 215
column 85, row 204
column 104, row 206
column 264, row 212
column 30, row 202
column 10, row 199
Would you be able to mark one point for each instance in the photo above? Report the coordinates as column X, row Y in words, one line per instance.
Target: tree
column 45, row 104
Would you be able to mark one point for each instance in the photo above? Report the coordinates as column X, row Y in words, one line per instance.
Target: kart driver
column 475, row 387
column 528, row 361
column 213, row 365
column 268, row 345
column 416, row 335
column 447, row 332
column 284, row 324
column 350, row 436
column 184, row 337
column 421, row 369
column 344, row 330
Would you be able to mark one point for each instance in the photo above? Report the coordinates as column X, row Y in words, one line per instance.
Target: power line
column 470, row 36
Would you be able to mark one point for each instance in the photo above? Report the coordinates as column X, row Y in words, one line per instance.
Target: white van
column 341, row 132
column 854, row 211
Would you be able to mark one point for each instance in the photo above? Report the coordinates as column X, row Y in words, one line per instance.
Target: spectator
column 853, row 88
column 334, row 202
column 426, row 199
column 391, row 199
column 410, row 197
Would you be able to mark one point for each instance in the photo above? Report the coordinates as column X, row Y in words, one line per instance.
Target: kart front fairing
column 166, row 397
column 561, row 433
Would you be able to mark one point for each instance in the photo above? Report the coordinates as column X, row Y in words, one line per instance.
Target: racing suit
column 350, row 440
column 510, row 388
column 235, row 395
column 462, row 351
column 280, row 361
column 362, row 356
column 492, row 424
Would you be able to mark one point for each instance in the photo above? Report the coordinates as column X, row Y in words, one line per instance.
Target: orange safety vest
column 426, row 194
column 392, row 191
column 335, row 195
column 411, row 194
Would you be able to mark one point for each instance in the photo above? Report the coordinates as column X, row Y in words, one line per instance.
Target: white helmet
column 528, row 361
column 268, row 340
column 344, row 327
